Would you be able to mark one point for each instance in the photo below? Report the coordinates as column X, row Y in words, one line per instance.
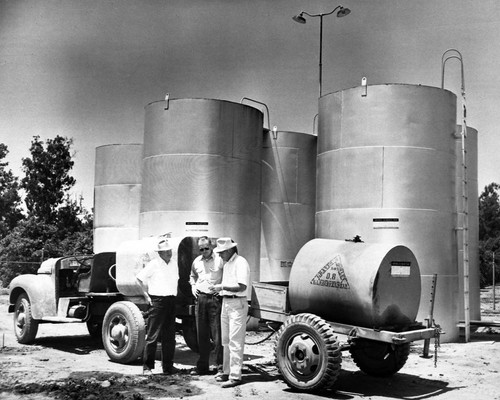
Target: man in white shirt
column 159, row 280
column 233, row 289
column 206, row 270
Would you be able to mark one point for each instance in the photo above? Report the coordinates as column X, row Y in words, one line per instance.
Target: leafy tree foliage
column 47, row 177
column 24, row 248
column 489, row 232
column 56, row 225
column 10, row 201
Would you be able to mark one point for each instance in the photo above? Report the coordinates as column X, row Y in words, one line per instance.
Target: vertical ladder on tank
column 465, row 192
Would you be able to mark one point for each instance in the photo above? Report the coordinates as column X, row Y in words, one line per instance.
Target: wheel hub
column 21, row 320
column 118, row 332
column 303, row 355
column 119, row 336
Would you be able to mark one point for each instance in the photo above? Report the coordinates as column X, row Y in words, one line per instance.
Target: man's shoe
column 222, row 378
column 147, row 371
column 231, row 383
column 197, row 371
column 219, row 370
column 171, row 371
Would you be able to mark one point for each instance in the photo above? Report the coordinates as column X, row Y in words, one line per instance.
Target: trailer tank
column 117, row 195
column 370, row 285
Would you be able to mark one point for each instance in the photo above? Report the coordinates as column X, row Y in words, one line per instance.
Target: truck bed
column 270, row 301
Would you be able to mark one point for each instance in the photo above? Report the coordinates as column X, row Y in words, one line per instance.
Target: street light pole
column 320, row 52
column 301, row 20
column 493, row 269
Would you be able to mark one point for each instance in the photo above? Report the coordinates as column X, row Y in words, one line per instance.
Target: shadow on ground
column 351, row 385
column 76, row 344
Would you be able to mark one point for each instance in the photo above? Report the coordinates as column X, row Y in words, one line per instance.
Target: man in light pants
column 233, row 289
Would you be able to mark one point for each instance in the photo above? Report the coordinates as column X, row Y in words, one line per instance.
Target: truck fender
column 40, row 290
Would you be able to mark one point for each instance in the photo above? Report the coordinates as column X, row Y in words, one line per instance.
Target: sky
column 85, row 69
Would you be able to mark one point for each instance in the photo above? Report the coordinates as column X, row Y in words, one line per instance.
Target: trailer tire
column 25, row 326
column 308, row 353
column 124, row 332
column 379, row 358
column 190, row 333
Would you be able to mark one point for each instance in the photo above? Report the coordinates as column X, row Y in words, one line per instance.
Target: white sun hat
column 224, row 243
column 163, row 245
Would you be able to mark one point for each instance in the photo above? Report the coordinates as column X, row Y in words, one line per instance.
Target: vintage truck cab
column 100, row 290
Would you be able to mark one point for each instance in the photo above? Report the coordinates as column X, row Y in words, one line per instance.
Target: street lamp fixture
column 342, row 12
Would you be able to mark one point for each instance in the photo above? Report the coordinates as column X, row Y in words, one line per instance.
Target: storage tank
column 386, row 172
column 288, row 200
column 473, row 214
column 369, row 285
column 117, row 195
column 202, row 172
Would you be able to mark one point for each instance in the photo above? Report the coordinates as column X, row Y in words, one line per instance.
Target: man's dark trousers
column 160, row 324
column 208, row 308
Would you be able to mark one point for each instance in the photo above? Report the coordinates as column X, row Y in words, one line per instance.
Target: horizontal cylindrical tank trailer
column 368, row 292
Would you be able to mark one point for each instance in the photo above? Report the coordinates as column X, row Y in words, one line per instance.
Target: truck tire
column 124, row 332
column 189, row 333
column 379, row 358
column 25, row 326
column 308, row 353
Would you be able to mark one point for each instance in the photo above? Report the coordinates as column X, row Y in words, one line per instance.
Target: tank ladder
column 447, row 55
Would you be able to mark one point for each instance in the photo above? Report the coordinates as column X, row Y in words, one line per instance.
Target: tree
column 23, row 247
column 75, row 225
column 56, row 224
column 489, row 231
column 47, row 177
column 489, row 212
column 10, row 201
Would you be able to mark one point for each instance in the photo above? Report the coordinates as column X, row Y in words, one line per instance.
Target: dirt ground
column 66, row 363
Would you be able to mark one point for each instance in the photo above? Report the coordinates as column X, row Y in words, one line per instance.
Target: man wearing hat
column 158, row 280
column 233, row 289
column 206, row 270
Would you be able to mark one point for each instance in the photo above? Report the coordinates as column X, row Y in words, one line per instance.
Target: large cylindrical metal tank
column 370, row 285
column 386, row 172
column 117, row 195
column 473, row 221
column 202, row 172
column 288, row 200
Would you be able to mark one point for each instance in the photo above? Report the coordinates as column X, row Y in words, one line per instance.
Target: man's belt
column 209, row 294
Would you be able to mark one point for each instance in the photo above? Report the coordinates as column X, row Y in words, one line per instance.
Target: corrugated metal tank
column 386, row 172
column 202, row 172
column 288, row 200
column 117, row 195
column 370, row 285
column 471, row 143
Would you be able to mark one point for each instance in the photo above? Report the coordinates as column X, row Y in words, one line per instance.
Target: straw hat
column 224, row 244
column 163, row 245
